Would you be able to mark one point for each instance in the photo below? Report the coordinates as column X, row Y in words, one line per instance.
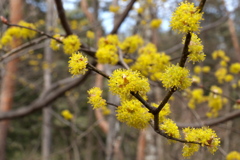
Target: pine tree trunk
column 8, row 83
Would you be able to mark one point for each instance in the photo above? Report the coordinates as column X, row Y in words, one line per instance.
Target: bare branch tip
column 4, row 20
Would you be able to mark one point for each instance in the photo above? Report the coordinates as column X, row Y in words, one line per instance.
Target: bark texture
column 8, row 83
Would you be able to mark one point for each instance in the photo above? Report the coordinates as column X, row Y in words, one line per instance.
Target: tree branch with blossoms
column 131, row 85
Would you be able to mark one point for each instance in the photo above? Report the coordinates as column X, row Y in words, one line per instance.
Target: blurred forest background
column 43, row 133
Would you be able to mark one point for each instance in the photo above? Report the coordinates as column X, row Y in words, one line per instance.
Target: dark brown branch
column 185, row 52
column 89, row 66
column 123, row 17
column 201, row 5
column 176, row 139
column 165, row 100
column 213, row 122
column 145, row 103
column 62, row 17
column 43, row 100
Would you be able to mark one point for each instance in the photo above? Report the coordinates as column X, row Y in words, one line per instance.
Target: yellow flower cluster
column 95, row 98
column 220, row 54
column 113, row 8
column 235, row 68
column 189, row 149
column 195, row 49
column 90, row 34
column 77, row 64
column 140, row 10
column 155, row 23
column 151, row 64
column 148, row 49
column 54, row 44
column 123, row 81
column 199, row 69
column 196, row 79
column 196, row 97
column 107, row 51
column 186, row 18
column 215, row 101
column 234, row 155
column 107, row 55
column 109, row 40
column 176, row 76
column 71, row 44
column 170, row 128
column 26, row 33
column 74, row 24
column 17, row 32
column 131, row 44
column 67, row 114
column 133, row 114
column 220, row 74
column 205, row 136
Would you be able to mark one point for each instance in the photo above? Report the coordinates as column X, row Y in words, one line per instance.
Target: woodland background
column 42, row 133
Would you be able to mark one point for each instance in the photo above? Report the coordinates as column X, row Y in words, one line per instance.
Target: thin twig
column 121, row 59
column 22, row 47
column 62, row 17
column 97, row 70
column 123, row 17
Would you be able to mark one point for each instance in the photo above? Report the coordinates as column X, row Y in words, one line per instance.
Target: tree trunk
column 47, row 117
column 8, row 83
column 234, row 37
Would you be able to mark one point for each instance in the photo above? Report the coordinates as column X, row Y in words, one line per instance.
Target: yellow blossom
column 196, row 79
column 140, row 10
column 206, row 69
column 123, row 81
column 114, row 9
column 223, row 63
column 77, row 64
column 176, row 76
column 234, row 155
column 228, row 78
column 131, row 44
column 155, row 23
column 220, row 74
column 90, row 34
column 196, row 97
column 197, row 69
column 170, row 128
column 67, row 114
column 195, row 49
column 71, row 44
column 54, row 44
column 189, row 149
column 133, row 114
column 215, row 101
column 109, row 40
column 148, row 49
column 151, row 64
column 186, row 18
column 218, row 54
column 95, row 98
column 235, row 68
column 26, row 33
column 205, row 136
column 107, row 55
column 17, row 32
